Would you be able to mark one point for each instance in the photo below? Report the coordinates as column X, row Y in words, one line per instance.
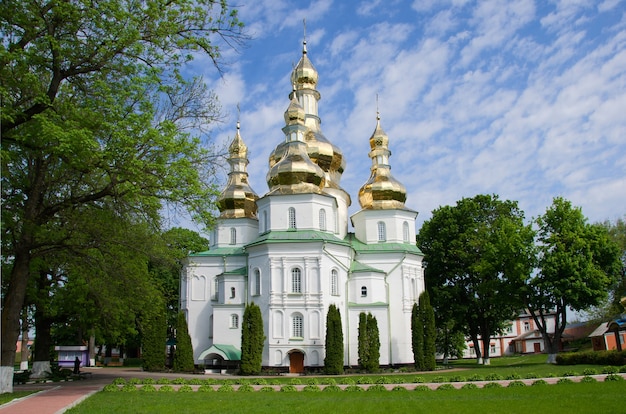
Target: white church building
column 290, row 252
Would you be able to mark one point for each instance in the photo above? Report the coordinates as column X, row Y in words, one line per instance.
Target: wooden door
column 296, row 362
column 537, row 348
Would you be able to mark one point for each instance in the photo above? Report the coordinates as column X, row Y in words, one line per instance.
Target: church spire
column 382, row 191
column 237, row 199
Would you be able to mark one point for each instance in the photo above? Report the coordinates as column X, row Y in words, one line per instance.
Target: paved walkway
column 57, row 397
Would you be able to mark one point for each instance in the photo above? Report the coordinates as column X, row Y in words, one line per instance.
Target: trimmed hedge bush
column 614, row 358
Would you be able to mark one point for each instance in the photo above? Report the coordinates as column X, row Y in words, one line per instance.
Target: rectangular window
column 297, row 327
column 334, row 283
column 296, row 281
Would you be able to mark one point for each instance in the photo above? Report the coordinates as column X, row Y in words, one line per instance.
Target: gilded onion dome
column 304, row 75
column 237, row 199
column 294, row 172
column 382, row 191
column 321, row 151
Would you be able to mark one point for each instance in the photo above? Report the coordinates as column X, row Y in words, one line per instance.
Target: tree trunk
column 486, row 339
column 43, row 345
column 551, row 343
column 479, row 355
column 24, row 344
column 13, row 301
column 92, row 349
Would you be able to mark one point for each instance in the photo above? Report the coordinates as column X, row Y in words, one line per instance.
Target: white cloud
column 476, row 97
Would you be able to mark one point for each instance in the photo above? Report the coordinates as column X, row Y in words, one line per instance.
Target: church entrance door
column 296, row 362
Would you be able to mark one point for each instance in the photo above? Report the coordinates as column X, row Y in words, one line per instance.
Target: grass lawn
column 576, row 398
column 5, row 398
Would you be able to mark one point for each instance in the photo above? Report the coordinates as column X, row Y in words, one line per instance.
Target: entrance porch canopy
column 227, row 352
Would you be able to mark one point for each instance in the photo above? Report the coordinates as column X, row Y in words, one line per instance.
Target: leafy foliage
column 183, row 357
column 577, row 264
column 478, row 256
column 417, row 337
column 427, row 316
column 333, row 361
column 153, row 329
column 252, row 340
column 97, row 117
column 369, row 343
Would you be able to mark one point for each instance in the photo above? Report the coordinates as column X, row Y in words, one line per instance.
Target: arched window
column 322, row 220
column 232, row 292
column 363, row 291
column 382, row 231
column 257, row 282
column 292, row 218
column 234, row 321
column 297, row 326
column 334, row 282
column 296, row 280
column 405, row 232
column 216, row 289
column 233, row 235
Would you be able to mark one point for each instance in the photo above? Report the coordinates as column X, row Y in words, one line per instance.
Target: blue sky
column 524, row 99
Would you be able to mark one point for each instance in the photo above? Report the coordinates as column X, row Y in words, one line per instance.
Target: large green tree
column 333, row 361
column 617, row 233
column 478, row 256
column 577, row 264
column 96, row 115
column 252, row 340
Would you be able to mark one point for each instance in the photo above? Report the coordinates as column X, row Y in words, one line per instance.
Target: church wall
column 274, row 212
column 246, row 230
column 366, row 228
column 198, row 297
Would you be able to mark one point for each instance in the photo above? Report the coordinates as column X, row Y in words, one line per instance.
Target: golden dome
column 295, row 112
column 304, row 75
column 295, row 173
column 382, row 191
column 291, row 169
column 327, row 155
column 237, row 199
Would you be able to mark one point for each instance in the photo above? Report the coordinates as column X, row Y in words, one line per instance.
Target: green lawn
column 5, row 398
column 576, row 398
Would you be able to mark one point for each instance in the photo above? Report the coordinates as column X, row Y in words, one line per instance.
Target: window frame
column 234, row 321
column 297, row 326
column 292, row 225
column 233, row 236
column 334, row 282
column 257, row 282
column 382, row 231
column 322, row 219
column 296, row 281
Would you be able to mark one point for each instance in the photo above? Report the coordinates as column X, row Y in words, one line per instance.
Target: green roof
column 228, row 352
column 357, row 267
column 297, row 236
column 222, row 251
column 382, row 247
column 369, row 305
column 307, row 236
column 242, row 271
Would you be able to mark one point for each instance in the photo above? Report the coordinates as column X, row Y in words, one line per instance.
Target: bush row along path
column 56, row 398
